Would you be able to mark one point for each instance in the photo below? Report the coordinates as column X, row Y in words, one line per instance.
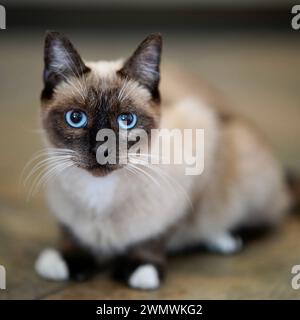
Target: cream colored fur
column 241, row 184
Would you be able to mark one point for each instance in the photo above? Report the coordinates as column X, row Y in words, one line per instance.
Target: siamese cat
column 136, row 213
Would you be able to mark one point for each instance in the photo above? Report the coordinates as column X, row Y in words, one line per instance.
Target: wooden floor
column 260, row 75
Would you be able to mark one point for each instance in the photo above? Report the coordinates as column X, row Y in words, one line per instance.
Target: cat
column 135, row 214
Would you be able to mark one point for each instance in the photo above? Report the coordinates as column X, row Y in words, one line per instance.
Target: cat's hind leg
column 224, row 243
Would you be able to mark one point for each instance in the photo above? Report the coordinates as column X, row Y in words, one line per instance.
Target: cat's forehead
column 105, row 69
column 102, row 82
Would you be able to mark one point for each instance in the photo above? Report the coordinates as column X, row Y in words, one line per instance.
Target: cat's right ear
column 61, row 61
column 144, row 64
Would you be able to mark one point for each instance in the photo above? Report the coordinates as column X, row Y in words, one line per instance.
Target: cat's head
column 79, row 98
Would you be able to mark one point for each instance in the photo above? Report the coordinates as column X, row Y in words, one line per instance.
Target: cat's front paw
column 51, row 265
column 144, row 277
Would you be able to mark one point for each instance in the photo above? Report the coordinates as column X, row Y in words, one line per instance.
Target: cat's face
column 79, row 99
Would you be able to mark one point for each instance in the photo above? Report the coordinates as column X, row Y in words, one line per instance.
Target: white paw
column 225, row 244
column 50, row 265
column 144, row 277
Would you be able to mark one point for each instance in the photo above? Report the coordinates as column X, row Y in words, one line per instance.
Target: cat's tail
column 293, row 182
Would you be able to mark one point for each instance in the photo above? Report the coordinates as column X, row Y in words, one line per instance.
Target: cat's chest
column 113, row 212
column 91, row 194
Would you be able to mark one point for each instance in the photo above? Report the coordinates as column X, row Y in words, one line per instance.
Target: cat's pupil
column 76, row 117
column 127, row 120
column 127, row 117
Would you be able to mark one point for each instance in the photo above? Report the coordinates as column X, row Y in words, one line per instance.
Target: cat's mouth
column 98, row 170
column 90, row 164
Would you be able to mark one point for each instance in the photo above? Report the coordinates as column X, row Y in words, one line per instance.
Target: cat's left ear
column 144, row 64
column 62, row 61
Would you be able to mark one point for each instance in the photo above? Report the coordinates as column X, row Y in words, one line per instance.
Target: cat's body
column 140, row 217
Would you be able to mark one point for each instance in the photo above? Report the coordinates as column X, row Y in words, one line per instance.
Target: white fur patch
column 144, row 277
column 225, row 244
column 50, row 265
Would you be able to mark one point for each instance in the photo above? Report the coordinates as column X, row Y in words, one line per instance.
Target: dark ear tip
column 156, row 36
column 52, row 35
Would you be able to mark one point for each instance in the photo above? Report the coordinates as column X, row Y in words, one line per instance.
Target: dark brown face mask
column 77, row 101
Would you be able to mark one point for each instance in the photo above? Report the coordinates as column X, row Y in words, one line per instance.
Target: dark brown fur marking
column 75, row 65
column 81, row 263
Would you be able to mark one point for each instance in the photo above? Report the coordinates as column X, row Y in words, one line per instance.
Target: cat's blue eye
column 76, row 119
column 127, row 120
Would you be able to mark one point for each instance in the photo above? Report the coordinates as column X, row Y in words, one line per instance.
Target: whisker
column 133, row 166
column 168, row 179
column 72, row 85
column 42, row 163
column 146, row 155
column 49, row 174
column 46, row 172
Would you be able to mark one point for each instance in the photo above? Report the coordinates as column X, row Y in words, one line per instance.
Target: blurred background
column 246, row 49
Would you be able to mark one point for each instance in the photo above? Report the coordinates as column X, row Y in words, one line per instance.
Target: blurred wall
column 180, row 15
